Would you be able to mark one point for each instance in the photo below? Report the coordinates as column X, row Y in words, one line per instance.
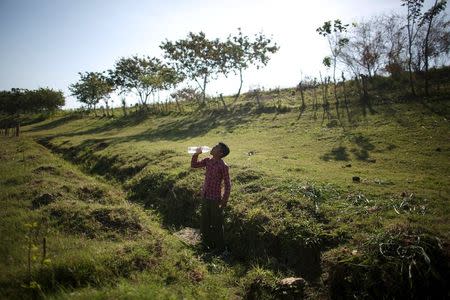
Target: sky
column 45, row 43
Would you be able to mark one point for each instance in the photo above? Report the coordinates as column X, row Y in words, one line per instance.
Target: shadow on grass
column 183, row 127
column 56, row 123
column 365, row 146
column 339, row 153
column 443, row 109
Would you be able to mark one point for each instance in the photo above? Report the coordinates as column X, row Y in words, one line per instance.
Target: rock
column 190, row 236
column 356, row 179
column 291, row 288
column 290, row 281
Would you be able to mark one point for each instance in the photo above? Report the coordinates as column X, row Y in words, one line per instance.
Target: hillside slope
column 315, row 193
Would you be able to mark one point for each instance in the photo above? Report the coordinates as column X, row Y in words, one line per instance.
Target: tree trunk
column 178, row 104
column 223, row 102
column 302, row 96
column 107, row 108
column 240, row 87
column 334, row 82
column 427, row 51
column 204, row 89
column 314, row 97
column 410, row 41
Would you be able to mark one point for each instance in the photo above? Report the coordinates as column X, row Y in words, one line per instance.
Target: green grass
column 294, row 207
column 97, row 244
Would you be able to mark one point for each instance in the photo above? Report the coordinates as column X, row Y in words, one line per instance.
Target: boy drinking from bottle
column 213, row 200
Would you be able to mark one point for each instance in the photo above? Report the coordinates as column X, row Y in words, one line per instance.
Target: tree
column 241, row 52
column 91, row 88
column 395, row 41
column 334, row 32
column 413, row 8
column 22, row 101
column 427, row 20
column 45, row 100
column 196, row 58
column 143, row 76
column 366, row 48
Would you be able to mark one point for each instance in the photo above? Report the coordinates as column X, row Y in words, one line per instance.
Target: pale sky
column 45, row 43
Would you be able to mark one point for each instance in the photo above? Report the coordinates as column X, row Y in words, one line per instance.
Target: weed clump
column 44, row 199
column 403, row 262
column 259, row 284
column 46, row 169
column 247, row 175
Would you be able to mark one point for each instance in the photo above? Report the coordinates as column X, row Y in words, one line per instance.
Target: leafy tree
column 91, row 88
column 45, row 99
column 427, row 20
column 187, row 94
column 395, row 44
column 196, row 58
column 22, row 101
column 143, row 76
column 366, row 48
column 241, row 52
column 334, row 32
column 413, row 8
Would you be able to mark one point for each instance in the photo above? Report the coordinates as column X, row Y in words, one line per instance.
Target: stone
column 291, row 288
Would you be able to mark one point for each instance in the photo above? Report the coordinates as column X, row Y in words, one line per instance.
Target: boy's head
column 220, row 150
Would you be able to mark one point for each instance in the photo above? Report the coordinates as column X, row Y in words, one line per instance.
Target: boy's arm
column 227, row 186
column 197, row 164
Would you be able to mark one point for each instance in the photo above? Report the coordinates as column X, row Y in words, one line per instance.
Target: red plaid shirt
column 216, row 172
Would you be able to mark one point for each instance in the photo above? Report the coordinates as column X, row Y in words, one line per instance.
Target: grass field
column 296, row 208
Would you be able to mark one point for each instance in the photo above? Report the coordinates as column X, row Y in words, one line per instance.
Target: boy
column 213, row 202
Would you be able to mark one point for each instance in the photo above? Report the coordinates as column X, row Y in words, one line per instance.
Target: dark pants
column 211, row 225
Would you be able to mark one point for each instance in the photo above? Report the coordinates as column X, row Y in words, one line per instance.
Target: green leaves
column 241, row 52
column 326, row 61
column 195, row 57
column 92, row 87
column 143, row 76
column 200, row 59
column 25, row 101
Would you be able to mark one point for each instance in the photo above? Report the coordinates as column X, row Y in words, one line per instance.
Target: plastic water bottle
column 193, row 149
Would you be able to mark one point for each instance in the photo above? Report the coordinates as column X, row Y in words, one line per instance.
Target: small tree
column 301, row 86
column 334, row 32
column 45, row 100
column 141, row 76
column 22, row 101
column 123, row 101
column 413, row 8
column 91, row 88
column 395, row 44
column 427, row 21
column 241, row 52
column 196, row 58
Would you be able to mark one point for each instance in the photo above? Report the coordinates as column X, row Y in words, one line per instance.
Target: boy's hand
column 199, row 150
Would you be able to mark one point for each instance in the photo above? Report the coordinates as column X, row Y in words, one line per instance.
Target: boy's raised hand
column 199, row 150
